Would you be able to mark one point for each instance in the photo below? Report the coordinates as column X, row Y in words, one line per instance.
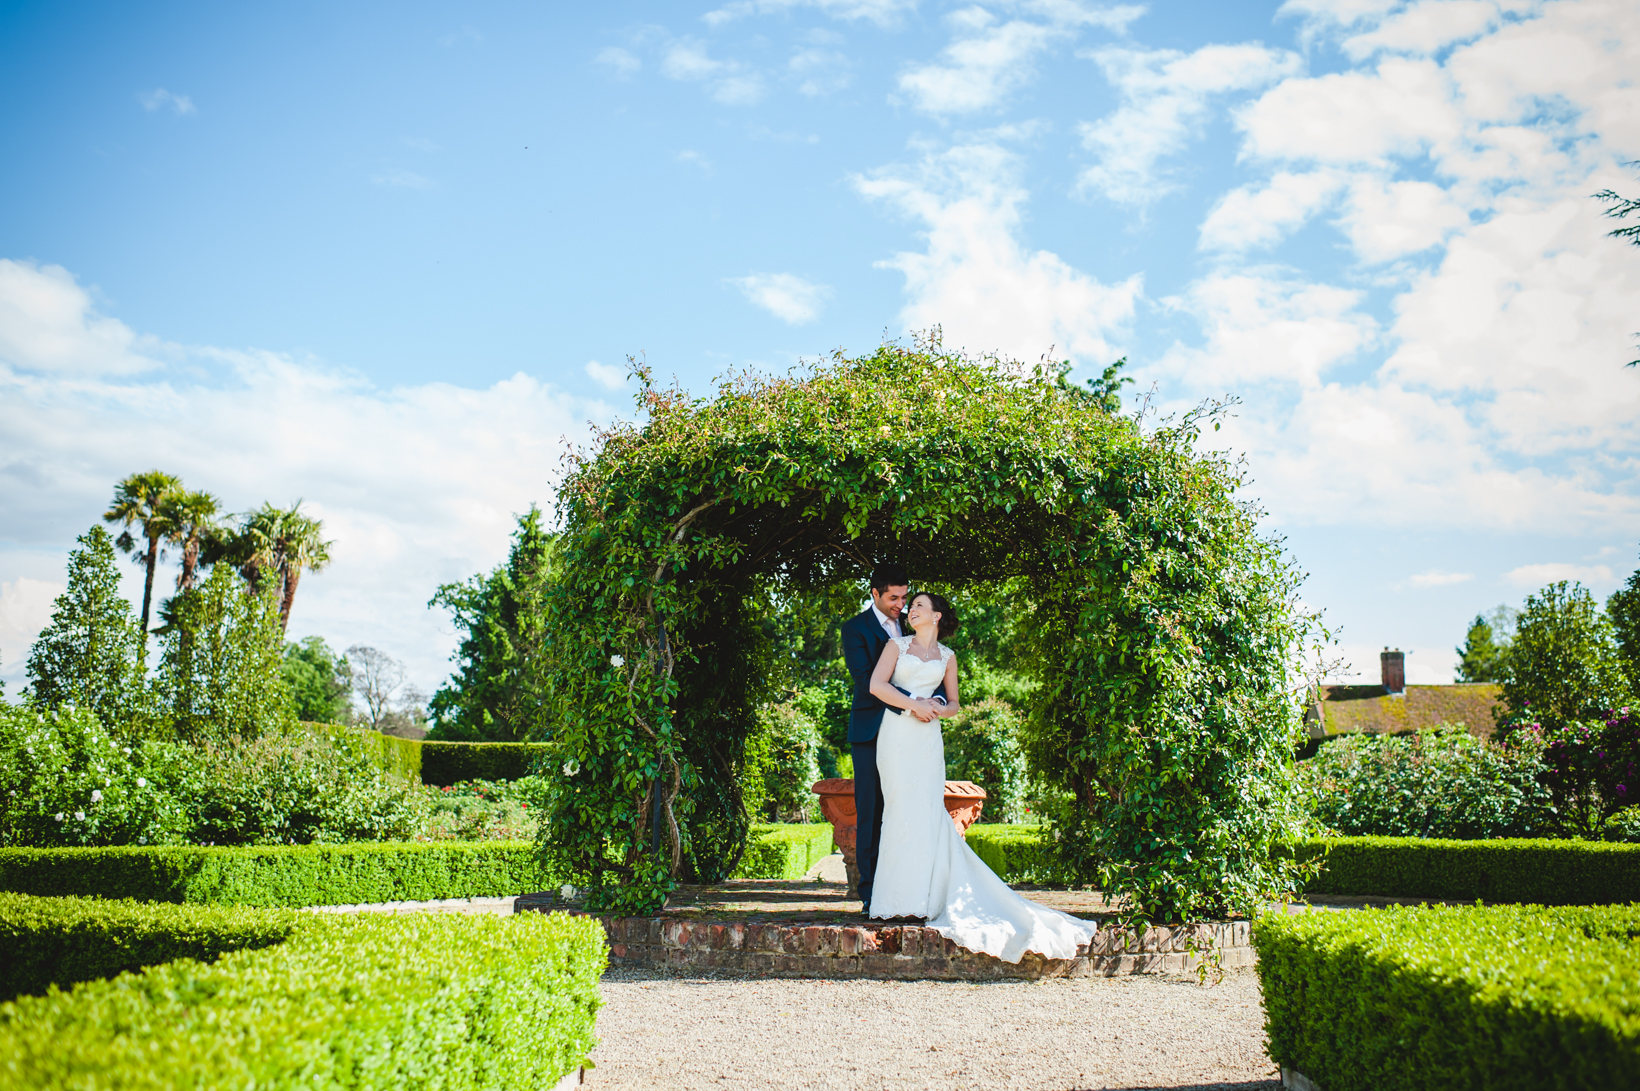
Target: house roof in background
column 1369, row 709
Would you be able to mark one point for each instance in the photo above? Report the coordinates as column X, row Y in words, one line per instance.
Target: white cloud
column 619, row 61
column 1534, row 576
column 48, row 324
column 607, row 376
column 1166, row 97
column 25, row 607
column 881, row 12
column 1252, row 216
column 731, row 82
column 159, row 97
column 1429, row 26
column 695, row 159
column 976, row 279
column 789, row 298
column 1436, row 578
column 417, row 485
column 819, row 71
column 402, row 179
column 1389, row 220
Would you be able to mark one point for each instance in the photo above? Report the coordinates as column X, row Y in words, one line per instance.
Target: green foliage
column 1591, row 770
column 494, row 696
column 1484, row 649
column 222, row 669
column 1159, row 629
column 371, row 1002
column 1442, row 782
column 319, row 681
column 1623, row 608
column 483, row 810
column 63, row 941
column 1492, row 998
column 1564, row 663
column 784, row 851
column 1017, row 853
column 782, row 764
column 982, row 745
column 389, row 753
column 453, row 762
column 1534, row 870
column 278, row 875
column 69, row 781
column 90, row 654
column 1105, row 391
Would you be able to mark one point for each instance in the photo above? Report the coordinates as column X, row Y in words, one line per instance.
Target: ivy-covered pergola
column 1159, row 623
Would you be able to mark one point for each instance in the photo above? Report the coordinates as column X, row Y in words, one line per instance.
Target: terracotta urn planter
column 964, row 799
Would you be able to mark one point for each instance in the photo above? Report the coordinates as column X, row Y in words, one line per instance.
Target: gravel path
column 664, row 1031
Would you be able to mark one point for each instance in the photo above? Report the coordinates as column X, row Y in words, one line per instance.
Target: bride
column 924, row 867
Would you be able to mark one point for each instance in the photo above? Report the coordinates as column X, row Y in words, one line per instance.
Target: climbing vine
column 1159, row 623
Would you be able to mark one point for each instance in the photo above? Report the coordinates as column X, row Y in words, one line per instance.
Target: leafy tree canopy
column 1564, row 663
column 319, row 681
column 221, row 672
column 1624, row 610
column 1158, row 626
column 494, row 695
column 1481, row 657
column 90, row 654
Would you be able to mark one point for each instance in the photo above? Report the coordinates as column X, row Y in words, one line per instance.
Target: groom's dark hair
column 889, row 575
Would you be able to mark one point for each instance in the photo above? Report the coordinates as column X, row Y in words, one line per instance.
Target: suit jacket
column 863, row 643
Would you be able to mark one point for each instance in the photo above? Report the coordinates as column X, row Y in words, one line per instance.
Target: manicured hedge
column 1018, row 854
column 415, row 1000
column 1544, row 872
column 1494, row 997
column 275, row 875
column 784, row 851
column 61, row 941
column 452, row 762
column 401, row 757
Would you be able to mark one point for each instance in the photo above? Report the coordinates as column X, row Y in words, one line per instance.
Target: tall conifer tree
column 89, row 655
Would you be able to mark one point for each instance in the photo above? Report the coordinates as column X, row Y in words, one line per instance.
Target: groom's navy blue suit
column 863, row 641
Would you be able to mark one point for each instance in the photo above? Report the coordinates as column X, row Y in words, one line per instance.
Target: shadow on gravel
column 1256, row 1085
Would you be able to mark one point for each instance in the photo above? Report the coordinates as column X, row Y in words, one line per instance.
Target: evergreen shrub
column 368, row 1002
column 1536, row 870
column 1017, row 853
column 445, row 763
column 63, row 941
column 278, row 875
column 784, row 851
column 982, row 745
column 782, row 765
column 1491, row 998
column 389, row 753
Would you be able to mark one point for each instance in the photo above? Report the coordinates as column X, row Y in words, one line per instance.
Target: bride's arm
column 884, row 691
column 951, row 706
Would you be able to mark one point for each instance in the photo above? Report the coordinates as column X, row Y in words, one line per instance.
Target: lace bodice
column 915, row 676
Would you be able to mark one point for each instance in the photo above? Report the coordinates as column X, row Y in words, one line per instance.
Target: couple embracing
column 913, row 861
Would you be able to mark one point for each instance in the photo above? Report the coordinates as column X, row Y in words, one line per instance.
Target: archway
column 1160, row 630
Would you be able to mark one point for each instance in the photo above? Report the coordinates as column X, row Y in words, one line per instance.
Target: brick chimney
column 1393, row 665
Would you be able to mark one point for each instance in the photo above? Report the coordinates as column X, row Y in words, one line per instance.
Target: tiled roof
column 1370, row 709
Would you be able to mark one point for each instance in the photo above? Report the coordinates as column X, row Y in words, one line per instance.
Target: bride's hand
column 924, row 710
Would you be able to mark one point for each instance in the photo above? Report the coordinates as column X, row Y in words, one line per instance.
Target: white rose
column 142, row 782
column 79, row 816
column 617, row 661
column 59, row 816
column 96, row 795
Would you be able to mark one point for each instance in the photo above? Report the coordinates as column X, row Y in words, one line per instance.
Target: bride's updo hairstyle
column 949, row 622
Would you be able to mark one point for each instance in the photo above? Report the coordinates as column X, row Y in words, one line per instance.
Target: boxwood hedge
column 784, row 851
column 1017, row 853
column 414, row 1000
column 278, row 875
column 1494, row 997
column 452, row 762
column 1548, row 872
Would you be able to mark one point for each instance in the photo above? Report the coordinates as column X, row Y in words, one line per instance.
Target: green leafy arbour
column 1159, row 624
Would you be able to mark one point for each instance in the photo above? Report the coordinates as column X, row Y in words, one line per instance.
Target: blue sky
column 383, row 258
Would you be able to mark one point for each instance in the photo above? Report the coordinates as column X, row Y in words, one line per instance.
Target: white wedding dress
column 924, row 867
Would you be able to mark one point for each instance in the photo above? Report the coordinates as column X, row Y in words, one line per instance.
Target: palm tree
column 193, row 519
column 139, row 500
column 301, row 546
column 283, row 542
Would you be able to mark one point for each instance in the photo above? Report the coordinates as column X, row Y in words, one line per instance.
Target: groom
column 864, row 637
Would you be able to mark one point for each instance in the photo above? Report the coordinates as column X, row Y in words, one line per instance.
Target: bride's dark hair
column 949, row 622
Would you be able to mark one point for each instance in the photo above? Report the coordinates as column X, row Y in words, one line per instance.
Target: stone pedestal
column 963, row 799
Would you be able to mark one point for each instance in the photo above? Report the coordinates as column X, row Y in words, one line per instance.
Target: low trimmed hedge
column 784, row 850
column 1545, row 872
column 62, row 941
column 1017, row 853
column 445, row 763
column 279, row 875
column 362, row 1002
column 1494, row 997
column 391, row 754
